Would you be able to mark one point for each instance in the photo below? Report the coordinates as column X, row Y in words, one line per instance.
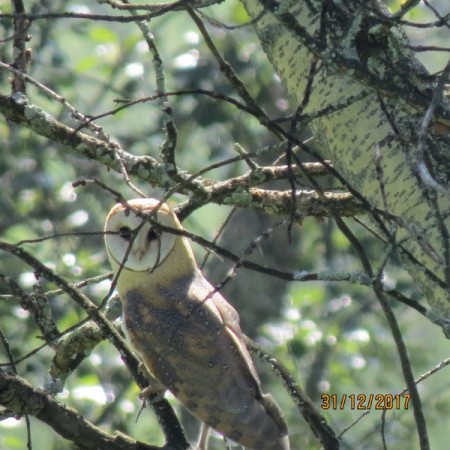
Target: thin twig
column 169, row 144
column 229, row 73
column 419, row 165
column 316, row 421
column 396, row 333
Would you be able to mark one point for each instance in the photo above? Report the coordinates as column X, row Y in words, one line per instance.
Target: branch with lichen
column 238, row 192
column 170, row 425
column 21, row 398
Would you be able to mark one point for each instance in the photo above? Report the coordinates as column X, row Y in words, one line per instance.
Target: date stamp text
column 365, row 401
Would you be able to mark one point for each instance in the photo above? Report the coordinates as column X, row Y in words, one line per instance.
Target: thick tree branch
column 172, row 430
column 21, row 53
column 21, row 398
column 363, row 61
column 236, row 192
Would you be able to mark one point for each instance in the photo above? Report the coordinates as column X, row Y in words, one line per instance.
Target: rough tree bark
column 375, row 112
column 369, row 104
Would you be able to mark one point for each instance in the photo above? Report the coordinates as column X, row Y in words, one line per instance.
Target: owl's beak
column 140, row 247
column 139, row 253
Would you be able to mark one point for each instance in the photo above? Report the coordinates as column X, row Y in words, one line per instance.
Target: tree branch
column 234, row 192
column 21, row 398
column 172, row 429
column 316, row 421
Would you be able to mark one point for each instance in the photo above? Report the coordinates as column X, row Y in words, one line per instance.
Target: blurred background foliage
column 332, row 336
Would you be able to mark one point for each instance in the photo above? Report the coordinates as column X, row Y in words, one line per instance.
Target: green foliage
column 332, row 336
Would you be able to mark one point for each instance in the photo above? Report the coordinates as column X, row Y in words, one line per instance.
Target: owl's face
column 136, row 243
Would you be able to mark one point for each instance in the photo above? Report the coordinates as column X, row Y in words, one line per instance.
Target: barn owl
column 186, row 334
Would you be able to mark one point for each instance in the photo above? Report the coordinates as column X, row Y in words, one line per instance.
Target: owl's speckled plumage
column 187, row 335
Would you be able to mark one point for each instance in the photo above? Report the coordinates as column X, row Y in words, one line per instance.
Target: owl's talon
column 155, row 392
column 155, row 389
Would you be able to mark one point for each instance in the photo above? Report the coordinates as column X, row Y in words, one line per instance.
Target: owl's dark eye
column 152, row 235
column 125, row 233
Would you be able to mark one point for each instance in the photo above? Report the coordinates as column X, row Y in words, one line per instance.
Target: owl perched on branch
column 185, row 332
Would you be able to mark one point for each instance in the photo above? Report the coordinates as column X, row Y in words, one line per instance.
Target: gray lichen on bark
column 352, row 56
